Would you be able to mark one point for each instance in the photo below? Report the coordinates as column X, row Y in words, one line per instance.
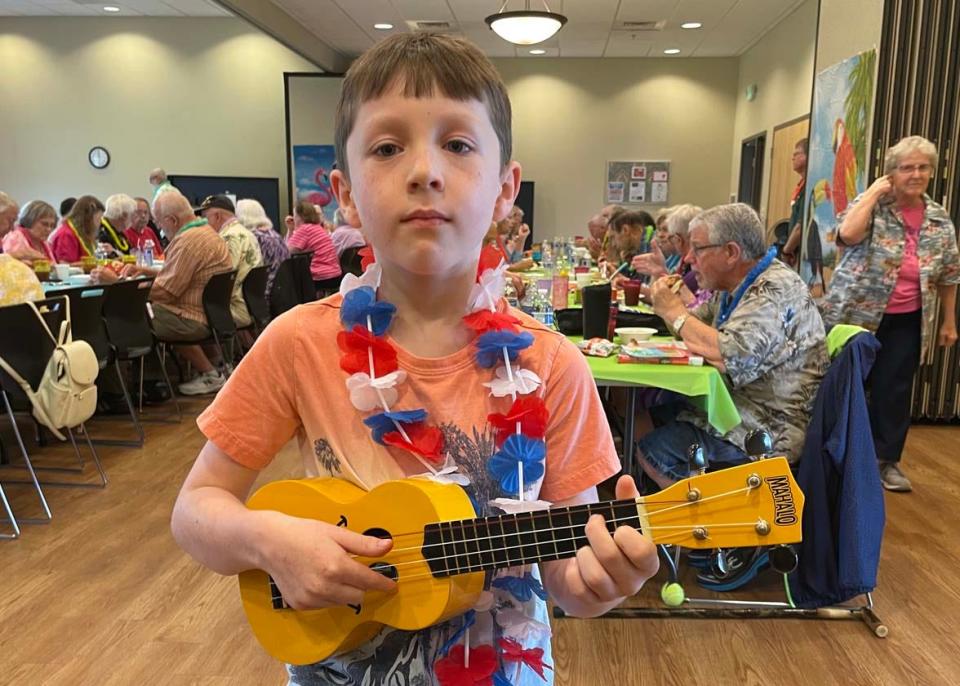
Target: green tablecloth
column 704, row 385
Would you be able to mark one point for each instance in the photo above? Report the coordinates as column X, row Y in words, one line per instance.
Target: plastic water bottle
column 560, row 285
column 546, row 256
column 544, row 309
column 148, row 253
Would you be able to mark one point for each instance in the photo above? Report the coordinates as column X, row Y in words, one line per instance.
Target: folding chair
column 302, row 278
column 28, row 353
column 216, row 306
column 255, row 296
column 350, row 261
column 131, row 338
column 285, row 292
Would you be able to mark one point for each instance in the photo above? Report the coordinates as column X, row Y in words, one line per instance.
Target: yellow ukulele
column 441, row 550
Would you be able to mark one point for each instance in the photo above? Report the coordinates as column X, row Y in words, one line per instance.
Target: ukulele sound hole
column 387, row 570
column 378, row 533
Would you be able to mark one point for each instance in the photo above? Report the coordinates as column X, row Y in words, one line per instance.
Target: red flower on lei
column 366, row 257
column 490, row 258
column 532, row 658
column 355, row 358
column 529, row 410
column 425, row 441
column 483, row 321
column 451, row 671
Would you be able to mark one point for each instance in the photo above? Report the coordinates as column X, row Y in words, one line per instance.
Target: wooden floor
column 102, row 595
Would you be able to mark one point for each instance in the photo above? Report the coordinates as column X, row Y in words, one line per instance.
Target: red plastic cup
column 631, row 293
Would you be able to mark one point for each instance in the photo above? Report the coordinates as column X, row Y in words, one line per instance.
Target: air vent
column 640, row 25
column 434, row 26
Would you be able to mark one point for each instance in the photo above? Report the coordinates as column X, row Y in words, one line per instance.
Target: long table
column 703, row 385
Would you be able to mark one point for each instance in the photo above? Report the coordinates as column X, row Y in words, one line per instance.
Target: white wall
column 571, row 116
column 781, row 66
column 847, row 27
column 193, row 95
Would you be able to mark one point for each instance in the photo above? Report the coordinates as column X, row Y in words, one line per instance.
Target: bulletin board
column 643, row 182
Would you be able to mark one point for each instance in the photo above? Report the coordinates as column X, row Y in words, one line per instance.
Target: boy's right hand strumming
column 313, row 562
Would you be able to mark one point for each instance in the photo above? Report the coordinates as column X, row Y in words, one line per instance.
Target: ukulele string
column 542, row 514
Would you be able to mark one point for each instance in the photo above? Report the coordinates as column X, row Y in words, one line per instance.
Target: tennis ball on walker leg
column 672, row 594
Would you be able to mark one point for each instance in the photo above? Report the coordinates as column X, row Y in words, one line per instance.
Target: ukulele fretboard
column 474, row 545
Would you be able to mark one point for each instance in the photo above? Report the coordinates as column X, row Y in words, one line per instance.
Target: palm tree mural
column 858, row 104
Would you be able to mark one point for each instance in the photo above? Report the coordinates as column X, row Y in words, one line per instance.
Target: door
column 751, row 170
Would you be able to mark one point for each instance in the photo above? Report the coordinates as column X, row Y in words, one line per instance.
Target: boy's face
column 425, row 181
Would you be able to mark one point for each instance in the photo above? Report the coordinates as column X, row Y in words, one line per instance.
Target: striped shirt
column 325, row 263
column 193, row 256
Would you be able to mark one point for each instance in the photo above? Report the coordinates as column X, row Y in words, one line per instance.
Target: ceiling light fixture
column 383, row 27
column 672, row 51
column 691, row 25
column 526, row 26
column 538, row 51
column 111, row 8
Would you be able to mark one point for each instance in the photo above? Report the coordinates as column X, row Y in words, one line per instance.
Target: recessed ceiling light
column 691, row 25
column 538, row 51
column 672, row 51
column 111, row 8
column 383, row 27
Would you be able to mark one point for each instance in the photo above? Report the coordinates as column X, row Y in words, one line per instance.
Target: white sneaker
column 209, row 382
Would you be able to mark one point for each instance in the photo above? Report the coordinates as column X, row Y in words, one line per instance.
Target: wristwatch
column 679, row 322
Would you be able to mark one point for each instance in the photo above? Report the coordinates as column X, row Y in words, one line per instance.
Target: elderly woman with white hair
column 272, row 246
column 9, row 209
column 35, row 222
column 900, row 255
column 118, row 214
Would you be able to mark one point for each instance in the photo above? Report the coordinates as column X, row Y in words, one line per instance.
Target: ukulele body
column 398, row 509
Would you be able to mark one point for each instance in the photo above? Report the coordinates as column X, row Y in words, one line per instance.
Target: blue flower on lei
column 490, row 346
column 523, row 588
column 517, row 448
column 383, row 422
column 361, row 303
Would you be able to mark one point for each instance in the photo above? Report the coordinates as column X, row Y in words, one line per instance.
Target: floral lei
column 371, row 361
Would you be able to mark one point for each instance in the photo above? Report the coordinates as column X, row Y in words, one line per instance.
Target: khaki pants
column 170, row 326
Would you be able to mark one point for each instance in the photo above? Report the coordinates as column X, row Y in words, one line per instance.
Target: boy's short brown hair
column 424, row 63
column 307, row 212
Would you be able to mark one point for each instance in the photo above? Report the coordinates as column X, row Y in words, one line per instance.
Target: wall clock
column 99, row 157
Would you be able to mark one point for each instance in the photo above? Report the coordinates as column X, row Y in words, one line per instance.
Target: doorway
column 751, row 170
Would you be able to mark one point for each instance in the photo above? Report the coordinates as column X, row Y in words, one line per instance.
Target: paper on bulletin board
column 639, row 171
column 638, row 191
column 662, row 175
column 658, row 191
column 615, row 191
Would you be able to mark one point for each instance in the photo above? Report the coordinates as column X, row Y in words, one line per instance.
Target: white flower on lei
column 364, row 391
column 521, row 628
column 449, row 473
column 524, row 382
column 370, row 278
column 488, row 290
column 511, row 506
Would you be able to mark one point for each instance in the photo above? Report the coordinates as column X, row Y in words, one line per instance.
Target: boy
column 423, row 146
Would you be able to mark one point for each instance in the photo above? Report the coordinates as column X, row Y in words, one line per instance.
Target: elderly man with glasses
column 760, row 329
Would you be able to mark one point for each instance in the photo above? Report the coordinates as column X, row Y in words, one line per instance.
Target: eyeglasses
column 697, row 249
column 910, row 168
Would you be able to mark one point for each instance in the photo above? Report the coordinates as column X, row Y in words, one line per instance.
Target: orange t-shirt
column 290, row 384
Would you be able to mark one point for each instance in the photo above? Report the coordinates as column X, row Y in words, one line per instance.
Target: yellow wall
column 195, row 96
column 781, row 66
column 847, row 27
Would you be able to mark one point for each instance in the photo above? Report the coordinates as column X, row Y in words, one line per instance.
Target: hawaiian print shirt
column 18, row 283
column 244, row 255
column 868, row 271
column 774, row 349
column 274, row 251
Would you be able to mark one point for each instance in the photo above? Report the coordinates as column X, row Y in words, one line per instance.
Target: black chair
column 216, row 306
column 131, row 338
column 285, row 293
column 28, row 353
column 350, row 261
column 255, row 296
column 302, row 278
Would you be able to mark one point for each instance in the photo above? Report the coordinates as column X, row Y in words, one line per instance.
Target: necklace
column 727, row 303
column 518, row 462
column 192, row 225
column 83, row 244
column 119, row 241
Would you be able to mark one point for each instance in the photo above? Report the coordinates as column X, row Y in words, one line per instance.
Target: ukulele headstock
column 754, row 504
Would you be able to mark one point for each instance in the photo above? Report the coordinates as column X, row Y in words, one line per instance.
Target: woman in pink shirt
column 76, row 238
column 34, row 225
column 308, row 233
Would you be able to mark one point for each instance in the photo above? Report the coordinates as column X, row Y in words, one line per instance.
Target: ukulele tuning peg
column 759, row 444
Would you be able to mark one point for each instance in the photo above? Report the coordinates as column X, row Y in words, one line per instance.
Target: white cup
column 62, row 270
